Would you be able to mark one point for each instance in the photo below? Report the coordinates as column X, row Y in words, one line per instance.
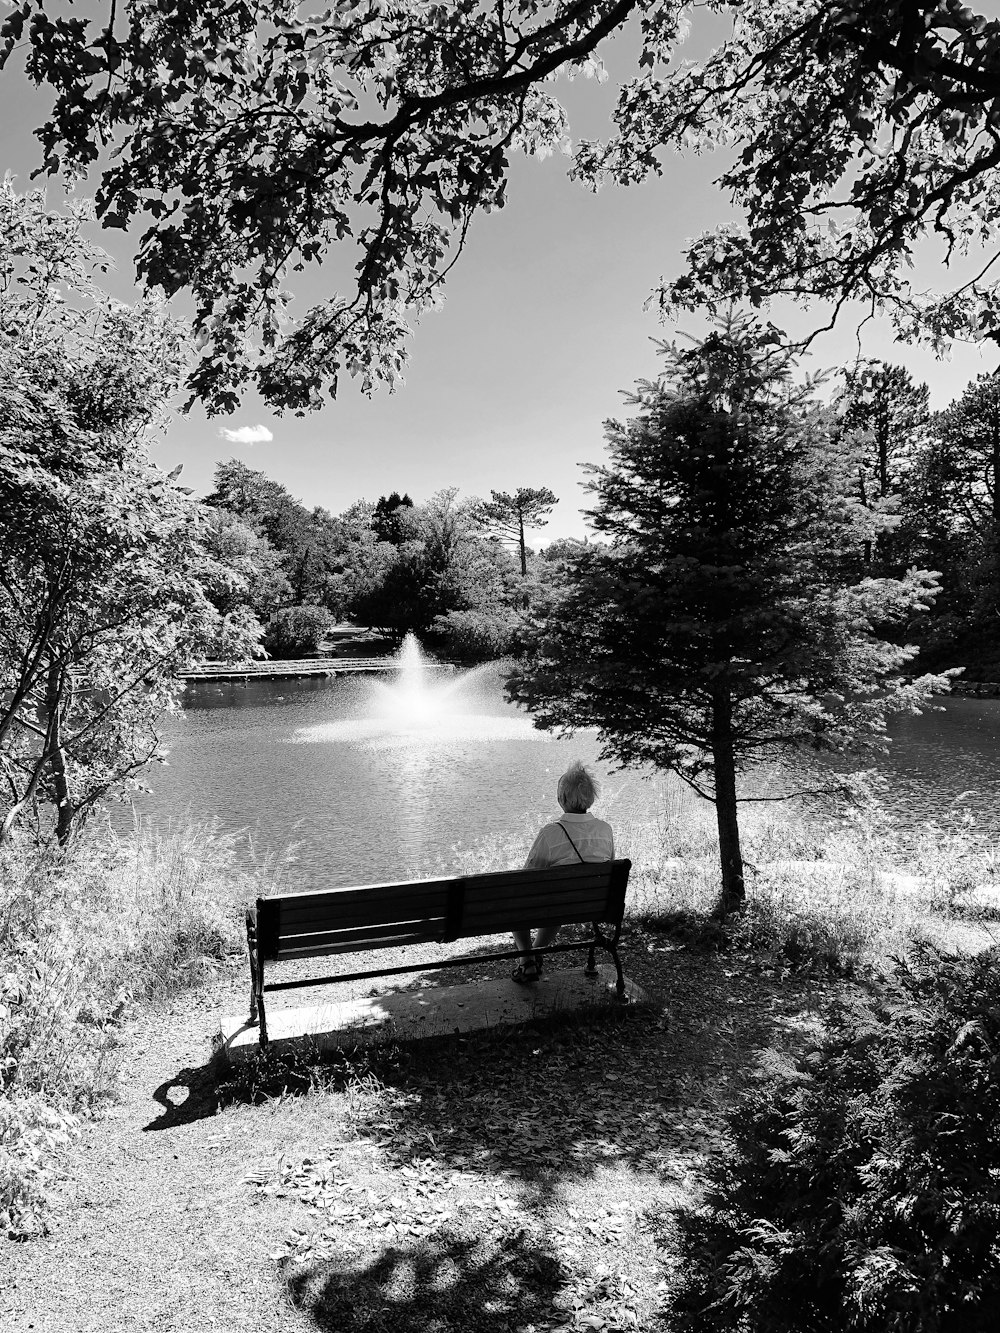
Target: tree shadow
column 557, row 1098
column 449, row 1281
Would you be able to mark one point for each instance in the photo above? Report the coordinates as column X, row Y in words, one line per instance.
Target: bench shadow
column 189, row 1095
column 450, row 1281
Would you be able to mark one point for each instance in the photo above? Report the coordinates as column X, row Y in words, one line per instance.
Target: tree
column 387, row 522
column 961, row 499
column 970, row 431
column 509, row 515
column 880, row 135
column 102, row 580
column 309, row 542
column 723, row 625
column 249, row 570
column 254, row 139
column 892, row 414
column 443, row 566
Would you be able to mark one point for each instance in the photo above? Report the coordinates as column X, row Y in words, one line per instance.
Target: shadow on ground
column 615, row 1113
column 450, row 1282
column 557, row 1094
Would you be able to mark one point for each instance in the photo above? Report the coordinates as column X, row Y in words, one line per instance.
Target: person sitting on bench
column 575, row 836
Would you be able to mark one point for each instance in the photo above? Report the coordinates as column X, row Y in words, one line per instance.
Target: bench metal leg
column 620, row 986
column 257, row 1014
column 254, row 968
column 591, row 969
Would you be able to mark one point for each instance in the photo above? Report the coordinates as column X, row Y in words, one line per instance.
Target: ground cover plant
column 863, row 1192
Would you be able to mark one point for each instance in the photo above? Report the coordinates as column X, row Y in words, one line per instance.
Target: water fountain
column 422, row 705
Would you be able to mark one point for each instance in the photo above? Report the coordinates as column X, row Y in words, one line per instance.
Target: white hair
column 577, row 788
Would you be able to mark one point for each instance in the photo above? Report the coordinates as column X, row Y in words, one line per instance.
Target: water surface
column 375, row 779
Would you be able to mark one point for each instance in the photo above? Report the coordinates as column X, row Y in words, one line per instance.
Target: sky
column 542, row 327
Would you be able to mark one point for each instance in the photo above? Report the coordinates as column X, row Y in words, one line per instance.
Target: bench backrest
column 381, row 916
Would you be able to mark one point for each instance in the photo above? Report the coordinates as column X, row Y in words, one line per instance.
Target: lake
column 381, row 777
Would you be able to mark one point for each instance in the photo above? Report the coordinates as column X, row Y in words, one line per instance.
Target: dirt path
column 169, row 1223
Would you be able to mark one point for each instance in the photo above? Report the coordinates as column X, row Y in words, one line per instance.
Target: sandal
column 525, row 974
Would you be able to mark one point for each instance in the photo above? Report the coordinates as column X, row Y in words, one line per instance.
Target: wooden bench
column 286, row 927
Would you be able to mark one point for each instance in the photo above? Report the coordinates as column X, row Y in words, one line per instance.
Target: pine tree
column 508, row 515
column 725, row 622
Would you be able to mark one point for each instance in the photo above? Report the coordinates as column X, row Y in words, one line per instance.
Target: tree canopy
column 103, row 576
column 256, row 140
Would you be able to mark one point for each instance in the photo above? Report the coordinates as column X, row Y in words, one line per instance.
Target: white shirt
column 592, row 837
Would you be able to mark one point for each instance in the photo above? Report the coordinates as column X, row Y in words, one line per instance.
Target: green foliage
column 441, row 565
column 880, row 120
column 33, row 1135
column 334, row 110
column 296, row 631
column 387, row 523
column 508, row 515
column 862, row 1193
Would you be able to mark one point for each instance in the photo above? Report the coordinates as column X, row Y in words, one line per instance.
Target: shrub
column 296, row 630
column 33, row 1134
column 476, row 636
column 863, row 1192
column 86, row 933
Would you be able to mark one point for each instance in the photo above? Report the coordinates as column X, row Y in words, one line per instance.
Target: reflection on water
column 378, row 778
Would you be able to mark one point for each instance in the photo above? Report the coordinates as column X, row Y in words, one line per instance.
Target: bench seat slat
column 288, row 923
column 429, row 928
column 351, row 946
column 482, row 912
column 355, row 902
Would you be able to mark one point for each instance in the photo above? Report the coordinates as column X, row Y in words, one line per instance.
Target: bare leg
column 522, row 941
column 545, row 935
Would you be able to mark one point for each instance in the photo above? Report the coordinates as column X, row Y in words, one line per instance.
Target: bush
column 296, row 630
column 476, row 636
column 863, row 1192
column 88, row 932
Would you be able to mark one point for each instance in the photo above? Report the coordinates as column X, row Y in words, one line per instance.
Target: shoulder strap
column 571, row 842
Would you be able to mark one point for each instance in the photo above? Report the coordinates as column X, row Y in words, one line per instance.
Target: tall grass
column 87, row 933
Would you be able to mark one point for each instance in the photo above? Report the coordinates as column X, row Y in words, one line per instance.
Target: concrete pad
column 429, row 1012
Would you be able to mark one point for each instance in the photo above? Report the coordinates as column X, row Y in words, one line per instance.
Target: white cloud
column 247, row 435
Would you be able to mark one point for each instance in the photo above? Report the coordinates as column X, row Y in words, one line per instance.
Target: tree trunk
column 726, row 813
column 864, row 501
column 524, row 556
column 57, row 757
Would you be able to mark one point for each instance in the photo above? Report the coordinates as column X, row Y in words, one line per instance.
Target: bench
column 286, row 927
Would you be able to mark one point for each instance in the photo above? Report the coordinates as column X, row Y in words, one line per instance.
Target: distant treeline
column 458, row 573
